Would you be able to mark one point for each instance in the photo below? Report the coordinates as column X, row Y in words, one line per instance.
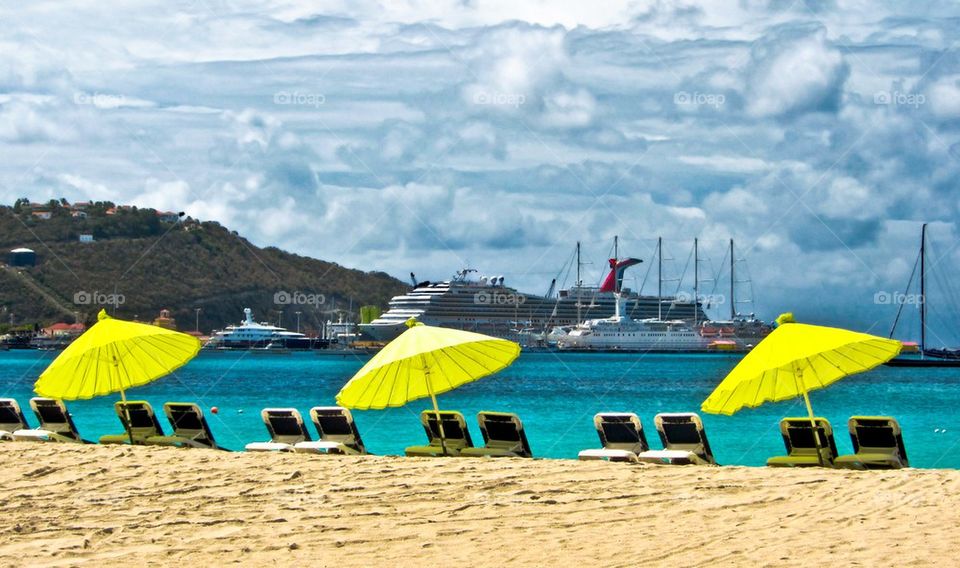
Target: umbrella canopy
column 794, row 360
column 115, row 355
column 425, row 361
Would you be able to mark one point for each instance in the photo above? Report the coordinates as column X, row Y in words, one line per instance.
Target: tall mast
column 733, row 300
column 659, row 278
column 923, row 291
column 616, row 261
column 578, row 283
column 696, row 281
column 616, row 280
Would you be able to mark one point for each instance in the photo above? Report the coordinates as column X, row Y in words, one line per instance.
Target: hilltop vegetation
column 142, row 261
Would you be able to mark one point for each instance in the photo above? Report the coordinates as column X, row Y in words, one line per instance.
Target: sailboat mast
column 923, row 289
column 578, row 283
column 659, row 278
column 616, row 261
column 696, row 281
column 733, row 300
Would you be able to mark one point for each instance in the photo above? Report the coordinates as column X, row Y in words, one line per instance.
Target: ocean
column 555, row 394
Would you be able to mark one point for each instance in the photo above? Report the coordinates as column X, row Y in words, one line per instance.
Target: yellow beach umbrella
column 425, row 361
column 794, row 360
column 113, row 356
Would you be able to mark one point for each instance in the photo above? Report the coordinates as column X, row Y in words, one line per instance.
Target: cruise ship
column 486, row 304
column 252, row 335
column 621, row 333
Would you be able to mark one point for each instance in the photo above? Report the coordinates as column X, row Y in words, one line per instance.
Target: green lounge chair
column 338, row 433
column 621, row 435
column 802, row 447
column 56, row 424
column 11, row 418
column 684, row 441
column 456, row 437
column 503, row 436
column 877, row 444
column 139, row 423
column 286, row 428
column 190, row 428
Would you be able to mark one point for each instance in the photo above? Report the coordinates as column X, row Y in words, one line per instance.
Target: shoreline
column 69, row 505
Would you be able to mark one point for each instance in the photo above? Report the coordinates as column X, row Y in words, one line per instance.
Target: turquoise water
column 556, row 395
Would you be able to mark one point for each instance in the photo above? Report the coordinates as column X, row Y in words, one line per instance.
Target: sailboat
column 928, row 357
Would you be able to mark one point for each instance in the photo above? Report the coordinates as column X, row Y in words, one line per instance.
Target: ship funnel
column 248, row 316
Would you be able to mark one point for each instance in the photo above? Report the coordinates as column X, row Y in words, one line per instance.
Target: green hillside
column 141, row 262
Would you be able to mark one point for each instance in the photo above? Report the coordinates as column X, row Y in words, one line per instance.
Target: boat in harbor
column 253, row 335
column 487, row 305
column 620, row 332
column 473, row 302
column 920, row 355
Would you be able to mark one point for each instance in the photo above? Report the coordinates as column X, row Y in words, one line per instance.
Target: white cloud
column 498, row 133
column 795, row 75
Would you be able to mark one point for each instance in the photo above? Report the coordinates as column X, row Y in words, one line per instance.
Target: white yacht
column 621, row 333
column 252, row 335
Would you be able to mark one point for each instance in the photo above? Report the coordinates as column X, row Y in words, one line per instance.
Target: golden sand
column 70, row 505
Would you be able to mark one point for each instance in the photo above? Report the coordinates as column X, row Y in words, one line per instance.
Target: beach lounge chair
column 503, row 436
column 456, row 437
column 337, row 431
column 56, row 424
column 286, row 428
column 684, row 441
column 801, row 445
column 621, row 436
column 139, row 423
column 11, row 418
column 190, row 428
column 877, row 444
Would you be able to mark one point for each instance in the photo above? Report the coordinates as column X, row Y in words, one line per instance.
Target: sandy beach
column 71, row 505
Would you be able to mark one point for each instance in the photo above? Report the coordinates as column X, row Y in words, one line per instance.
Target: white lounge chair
column 11, row 418
column 56, row 424
column 621, row 435
column 684, row 441
column 337, row 430
column 286, row 428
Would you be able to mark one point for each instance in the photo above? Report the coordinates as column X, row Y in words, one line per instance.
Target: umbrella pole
column 126, row 414
column 436, row 410
column 813, row 419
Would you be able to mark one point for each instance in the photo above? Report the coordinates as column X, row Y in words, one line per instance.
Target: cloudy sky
column 428, row 135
